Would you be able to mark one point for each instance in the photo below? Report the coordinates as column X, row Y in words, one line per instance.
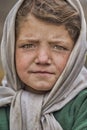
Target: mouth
column 42, row 73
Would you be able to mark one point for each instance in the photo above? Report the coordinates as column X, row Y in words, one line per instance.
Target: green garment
column 4, row 118
column 71, row 117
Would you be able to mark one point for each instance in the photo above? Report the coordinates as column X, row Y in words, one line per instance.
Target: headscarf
column 30, row 111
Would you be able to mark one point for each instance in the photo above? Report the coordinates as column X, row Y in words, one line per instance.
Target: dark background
column 6, row 5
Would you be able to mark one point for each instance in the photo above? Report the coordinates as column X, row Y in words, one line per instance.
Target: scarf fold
column 31, row 111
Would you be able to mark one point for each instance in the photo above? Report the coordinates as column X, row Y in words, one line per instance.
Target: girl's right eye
column 28, row 46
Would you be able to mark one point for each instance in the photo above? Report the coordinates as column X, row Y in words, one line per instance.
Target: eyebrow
column 29, row 39
column 36, row 40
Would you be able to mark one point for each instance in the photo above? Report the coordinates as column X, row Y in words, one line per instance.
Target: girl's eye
column 59, row 48
column 28, row 46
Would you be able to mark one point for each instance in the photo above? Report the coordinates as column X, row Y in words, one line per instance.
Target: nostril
column 43, row 59
column 43, row 55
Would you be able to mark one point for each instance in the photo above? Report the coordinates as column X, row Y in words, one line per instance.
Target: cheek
column 60, row 62
column 21, row 62
column 22, row 68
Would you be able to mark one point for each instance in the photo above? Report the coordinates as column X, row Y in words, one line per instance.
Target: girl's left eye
column 58, row 47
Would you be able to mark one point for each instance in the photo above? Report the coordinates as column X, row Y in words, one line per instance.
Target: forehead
column 33, row 29
column 35, row 26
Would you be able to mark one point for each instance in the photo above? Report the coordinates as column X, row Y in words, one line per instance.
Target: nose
column 43, row 56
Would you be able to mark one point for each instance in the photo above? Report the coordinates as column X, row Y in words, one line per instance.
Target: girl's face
column 42, row 51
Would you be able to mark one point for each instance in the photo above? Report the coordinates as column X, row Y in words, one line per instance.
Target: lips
column 42, row 73
column 48, row 72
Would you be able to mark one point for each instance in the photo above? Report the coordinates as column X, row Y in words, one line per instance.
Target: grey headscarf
column 30, row 111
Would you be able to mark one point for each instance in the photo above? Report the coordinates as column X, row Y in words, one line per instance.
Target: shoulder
column 74, row 114
column 4, row 118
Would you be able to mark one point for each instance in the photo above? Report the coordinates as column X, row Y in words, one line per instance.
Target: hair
column 58, row 12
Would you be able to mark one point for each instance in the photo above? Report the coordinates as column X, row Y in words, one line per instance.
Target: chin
column 38, row 90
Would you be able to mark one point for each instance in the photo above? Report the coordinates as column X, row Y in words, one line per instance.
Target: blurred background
column 6, row 5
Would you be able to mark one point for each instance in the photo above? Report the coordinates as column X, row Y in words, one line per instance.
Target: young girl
column 43, row 53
